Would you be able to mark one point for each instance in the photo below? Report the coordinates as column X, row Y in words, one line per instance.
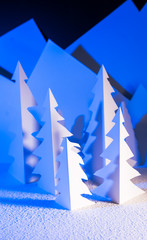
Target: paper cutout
column 23, row 125
column 126, row 28
column 103, row 110
column 20, row 44
column 137, row 106
column 131, row 139
column 62, row 73
column 70, row 175
column 118, row 173
column 51, row 135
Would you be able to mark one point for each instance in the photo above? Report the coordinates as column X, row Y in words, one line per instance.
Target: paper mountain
column 70, row 175
column 103, row 109
column 118, row 173
column 126, row 28
column 69, row 80
column 20, row 44
column 51, row 135
column 84, row 57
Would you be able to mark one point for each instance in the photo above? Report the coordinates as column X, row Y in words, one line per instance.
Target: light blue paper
column 25, row 44
column 7, row 113
column 120, row 43
column 137, row 106
column 69, row 80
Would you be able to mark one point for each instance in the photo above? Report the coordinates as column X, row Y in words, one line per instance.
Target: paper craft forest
column 70, row 131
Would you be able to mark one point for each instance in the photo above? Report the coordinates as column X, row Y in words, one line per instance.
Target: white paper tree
column 117, row 175
column 22, row 125
column 103, row 109
column 70, row 174
column 131, row 139
column 51, row 135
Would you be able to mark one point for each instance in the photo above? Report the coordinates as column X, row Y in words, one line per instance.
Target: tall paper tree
column 70, row 174
column 117, row 175
column 22, row 126
column 102, row 110
column 51, row 135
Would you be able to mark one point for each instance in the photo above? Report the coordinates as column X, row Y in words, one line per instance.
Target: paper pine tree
column 70, row 174
column 51, row 135
column 118, row 173
column 23, row 127
column 103, row 110
column 131, row 139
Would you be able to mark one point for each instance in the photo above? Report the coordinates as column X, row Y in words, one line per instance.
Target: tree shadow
column 77, row 131
column 29, row 202
column 9, row 183
column 141, row 136
column 96, row 198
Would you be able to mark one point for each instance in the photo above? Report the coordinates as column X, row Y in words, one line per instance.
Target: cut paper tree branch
column 102, row 110
column 22, row 126
column 117, row 175
column 51, row 134
column 131, row 139
column 72, row 191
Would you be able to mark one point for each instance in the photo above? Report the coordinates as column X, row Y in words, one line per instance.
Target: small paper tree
column 70, row 175
column 118, row 173
column 103, row 110
column 51, row 135
column 22, row 125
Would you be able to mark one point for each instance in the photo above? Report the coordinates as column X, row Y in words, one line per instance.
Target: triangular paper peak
column 102, row 72
column 23, row 75
column 119, row 116
column 119, row 120
column 105, row 74
column 19, row 73
column 103, row 77
column 52, row 99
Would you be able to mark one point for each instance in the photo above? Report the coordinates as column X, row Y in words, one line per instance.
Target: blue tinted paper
column 69, row 80
column 120, row 43
column 24, row 43
column 7, row 113
column 137, row 106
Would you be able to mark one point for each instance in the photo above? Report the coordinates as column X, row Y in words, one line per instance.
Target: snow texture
column 26, row 212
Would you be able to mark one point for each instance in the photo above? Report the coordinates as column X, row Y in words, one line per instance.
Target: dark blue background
column 61, row 21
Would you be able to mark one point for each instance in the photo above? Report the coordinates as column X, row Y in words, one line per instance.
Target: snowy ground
column 26, row 212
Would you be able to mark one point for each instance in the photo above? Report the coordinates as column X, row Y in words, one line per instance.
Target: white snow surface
column 27, row 212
